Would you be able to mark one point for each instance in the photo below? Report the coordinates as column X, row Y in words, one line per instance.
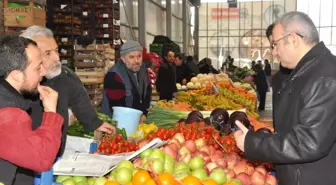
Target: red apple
column 221, row 163
column 244, row 178
column 240, row 167
column 180, row 137
column 258, row 178
column 169, row 151
column 191, row 145
column 211, row 166
column 200, row 143
column 270, row 179
column 262, row 170
column 185, row 158
column 230, row 175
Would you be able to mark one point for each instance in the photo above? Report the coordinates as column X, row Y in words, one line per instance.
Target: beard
column 54, row 70
column 28, row 92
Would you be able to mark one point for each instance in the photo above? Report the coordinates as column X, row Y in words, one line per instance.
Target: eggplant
column 207, row 121
column 242, row 117
column 219, row 118
column 264, row 130
column 194, row 116
column 181, row 120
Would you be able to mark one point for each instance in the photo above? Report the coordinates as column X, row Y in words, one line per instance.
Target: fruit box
column 24, row 16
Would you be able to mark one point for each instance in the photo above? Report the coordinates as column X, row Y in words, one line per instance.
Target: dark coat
column 261, row 81
column 166, row 79
column 268, row 69
column 303, row 147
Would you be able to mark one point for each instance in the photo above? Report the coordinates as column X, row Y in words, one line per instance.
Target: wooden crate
column 31, row 16
column 91, row 77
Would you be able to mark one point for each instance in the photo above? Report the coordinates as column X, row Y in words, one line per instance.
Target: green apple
column 91, row 181
column 146, row 153
column 169, row 168
column 82, row 183
column 169, row 159
column 157, row 154
column 79, row 179
column 62, row 178
column 112, row 177
column 69, row 182
column 180, row 176
column 157, row 165
column 124, row 176
column 199, row 173
column 100, row 181
column 181, row 165
column 125, row 164
column 196, row 163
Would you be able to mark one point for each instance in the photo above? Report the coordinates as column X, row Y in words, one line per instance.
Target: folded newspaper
column 84, row 164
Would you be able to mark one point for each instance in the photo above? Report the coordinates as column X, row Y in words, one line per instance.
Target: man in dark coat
column 127, row 83
column 166, row 79
column 303, row 145
column 262, row 86
column 182, row 72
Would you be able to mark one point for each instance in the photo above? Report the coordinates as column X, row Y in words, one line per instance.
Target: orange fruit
column 130, row 183
column 150, row 182
column 191, row 180
column 111, row 183
column 166, row 179
column 140, row 177
column 209, row 182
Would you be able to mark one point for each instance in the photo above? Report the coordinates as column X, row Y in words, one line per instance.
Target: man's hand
column 143, row 118
column 48, row 97
column 240, row 135
column 107, row 128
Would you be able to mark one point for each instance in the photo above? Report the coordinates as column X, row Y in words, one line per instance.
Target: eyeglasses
column 274, row 43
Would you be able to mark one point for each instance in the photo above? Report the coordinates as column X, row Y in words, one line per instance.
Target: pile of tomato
column 116, row 145
column 163, row 134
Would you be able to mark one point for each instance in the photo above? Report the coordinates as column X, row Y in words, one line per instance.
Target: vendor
column 127, row 84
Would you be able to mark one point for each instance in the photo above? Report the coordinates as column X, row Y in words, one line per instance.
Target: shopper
column 303, row 146
column 262, row 86
column 268, row 71
column 279, row 77
column 205, row 66
column 192, row 67
column 21, row 71
column 127, row 83
column 166, row 79
column 72, row 93
column 181, row 70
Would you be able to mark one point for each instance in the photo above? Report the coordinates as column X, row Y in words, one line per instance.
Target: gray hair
column 34, row 31
column 301, row 24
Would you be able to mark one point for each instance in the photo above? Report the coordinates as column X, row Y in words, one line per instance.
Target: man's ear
column 16, row 75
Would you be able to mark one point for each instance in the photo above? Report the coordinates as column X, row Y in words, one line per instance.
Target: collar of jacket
column 11, row 97
column 317, row 51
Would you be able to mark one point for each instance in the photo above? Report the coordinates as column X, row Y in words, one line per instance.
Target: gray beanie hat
column 130, row 46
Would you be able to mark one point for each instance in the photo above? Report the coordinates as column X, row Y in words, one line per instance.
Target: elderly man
column 21, row 72
column 127, row 83
column 303, row 147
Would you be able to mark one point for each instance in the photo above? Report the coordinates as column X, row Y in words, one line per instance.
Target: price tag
column 64, row 39
column 105, row 25
column 64, row 51
column 106, row 35
column 64, row 62
column 63, row 6
column 85, row 13
column 105, row 15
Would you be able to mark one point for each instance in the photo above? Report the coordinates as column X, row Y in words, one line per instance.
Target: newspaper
column 84, row 164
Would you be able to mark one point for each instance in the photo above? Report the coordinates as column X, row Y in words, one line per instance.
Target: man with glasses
column 303, row 146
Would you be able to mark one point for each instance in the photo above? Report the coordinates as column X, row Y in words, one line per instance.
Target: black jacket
column 261, row 81
column 303, row 147
column 268, row 69
column 71, row 94
column 166, row 79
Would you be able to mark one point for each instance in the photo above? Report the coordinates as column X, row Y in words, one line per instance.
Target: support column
column 185, row 27
column 169, row 18
column 196, row 31
column 142, row 22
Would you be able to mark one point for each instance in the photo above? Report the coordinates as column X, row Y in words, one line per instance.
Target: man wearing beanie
column 127, row 83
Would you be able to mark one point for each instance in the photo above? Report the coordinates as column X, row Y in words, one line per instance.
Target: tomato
column 151, row 136
column 216, row 136
column 165, row 136
column 125, row 143
column 103, row 145
column 118, row 138
column 160, row 130
column 216, row 146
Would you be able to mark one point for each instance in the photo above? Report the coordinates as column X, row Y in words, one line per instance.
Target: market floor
column 266, row 115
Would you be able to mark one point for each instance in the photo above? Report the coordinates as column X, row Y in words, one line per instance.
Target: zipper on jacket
column 297, row 176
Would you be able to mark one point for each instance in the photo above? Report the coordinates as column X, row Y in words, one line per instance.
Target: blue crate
column 48, row 178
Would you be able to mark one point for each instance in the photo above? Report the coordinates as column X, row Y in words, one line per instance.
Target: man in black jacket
column 303, row 145
column 166, row 79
